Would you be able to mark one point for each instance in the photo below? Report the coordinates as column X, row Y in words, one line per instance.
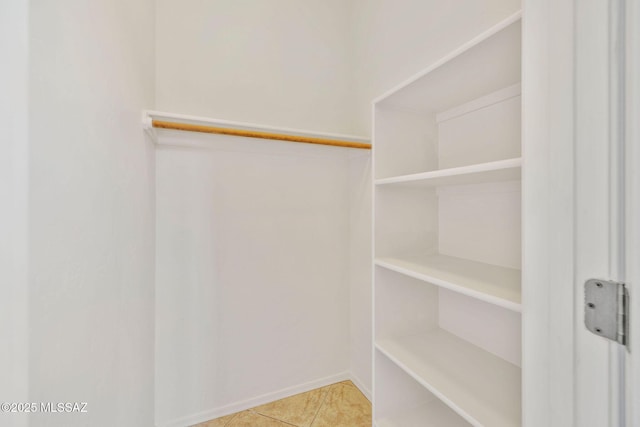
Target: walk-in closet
column 319, row 213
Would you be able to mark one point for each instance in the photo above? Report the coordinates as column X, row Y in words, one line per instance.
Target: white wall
column 13, row 207
column 91, row 219
column 315, row 65
column 277, row 62
column 252, row 260
column 394, row 39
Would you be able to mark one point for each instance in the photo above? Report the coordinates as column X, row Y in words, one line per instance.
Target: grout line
column 272, row 418
column 233, row 416
column 324, row 399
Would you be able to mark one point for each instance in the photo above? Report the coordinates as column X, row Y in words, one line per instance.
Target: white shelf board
column 432, row 414
column 482, row 388
column 149, row 115
column 486, row 282
column 498, row 171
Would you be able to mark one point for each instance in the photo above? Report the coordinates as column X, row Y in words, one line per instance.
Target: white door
column 581, row 207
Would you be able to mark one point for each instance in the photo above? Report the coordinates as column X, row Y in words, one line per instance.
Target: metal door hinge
column 605, row 309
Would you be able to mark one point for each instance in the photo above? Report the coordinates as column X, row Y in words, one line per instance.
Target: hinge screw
column 591, row 305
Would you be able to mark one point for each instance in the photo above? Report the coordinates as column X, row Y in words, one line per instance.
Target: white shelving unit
column 447, row 202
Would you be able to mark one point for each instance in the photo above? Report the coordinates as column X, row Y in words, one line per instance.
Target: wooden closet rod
column 257, row 134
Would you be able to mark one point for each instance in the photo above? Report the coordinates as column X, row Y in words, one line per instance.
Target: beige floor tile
column 251, row 419
column 344, row 406
column 299, row 410
column 218, row 422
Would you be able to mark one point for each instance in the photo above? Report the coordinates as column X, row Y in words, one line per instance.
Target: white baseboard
column 259, row 400
column 356, row 381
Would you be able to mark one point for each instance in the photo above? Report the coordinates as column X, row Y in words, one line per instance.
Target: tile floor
column 336, row 405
